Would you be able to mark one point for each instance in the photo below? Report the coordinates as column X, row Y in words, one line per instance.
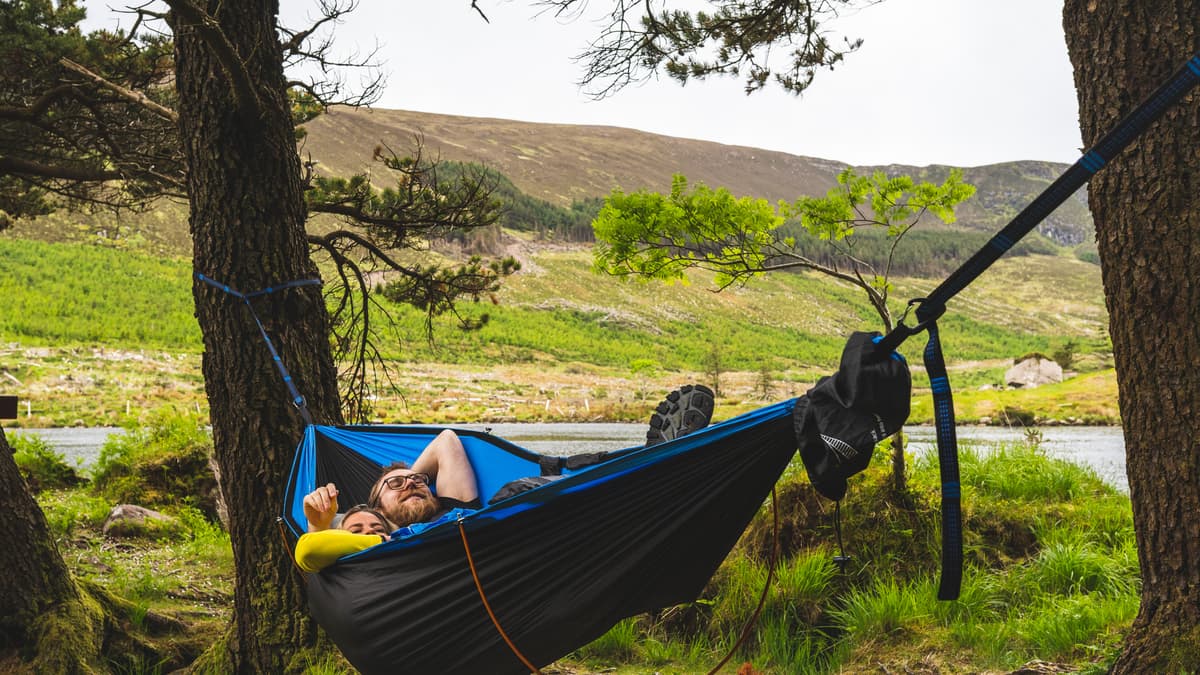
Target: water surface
column 1101, row 448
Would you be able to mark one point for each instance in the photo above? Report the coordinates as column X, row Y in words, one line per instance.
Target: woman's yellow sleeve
column 317, row 550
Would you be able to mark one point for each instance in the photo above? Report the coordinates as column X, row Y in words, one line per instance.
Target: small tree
column 648, row 235
column 1066, row 355
column 764, row 386
column 713, row 367
column 642, row 370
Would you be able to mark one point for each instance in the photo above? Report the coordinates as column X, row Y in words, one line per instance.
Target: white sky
column 961, row 82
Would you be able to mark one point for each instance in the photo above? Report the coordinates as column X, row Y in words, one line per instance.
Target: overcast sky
column 961, row 82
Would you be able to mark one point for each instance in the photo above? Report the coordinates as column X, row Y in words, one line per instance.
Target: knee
column 447, row 439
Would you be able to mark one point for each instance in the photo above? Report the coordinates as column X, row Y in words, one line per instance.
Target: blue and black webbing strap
column 947, row 445
column 297, row 399
column 930, row 308
column 1129, row 128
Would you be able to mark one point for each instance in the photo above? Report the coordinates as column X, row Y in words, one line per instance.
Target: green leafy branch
column 648, row 235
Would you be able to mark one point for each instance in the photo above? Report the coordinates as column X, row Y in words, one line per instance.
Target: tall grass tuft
column 784, row 647
column 803, row 579
column 1023, row 471
column 979, row 600
column 1071, row 567
column 618, row 645
column 739, row 585
column 1065, row 627
column 881, row 610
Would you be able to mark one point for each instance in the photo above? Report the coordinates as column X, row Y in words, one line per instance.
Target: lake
column 1102, row 448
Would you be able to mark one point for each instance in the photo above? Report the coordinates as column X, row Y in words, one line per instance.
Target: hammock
column 641, row 529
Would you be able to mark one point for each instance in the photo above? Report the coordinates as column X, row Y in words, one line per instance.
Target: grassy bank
column 1051, row 576
column 1051, row 571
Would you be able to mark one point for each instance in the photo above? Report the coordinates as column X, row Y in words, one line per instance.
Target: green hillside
column 96, row 334
column 76, row 294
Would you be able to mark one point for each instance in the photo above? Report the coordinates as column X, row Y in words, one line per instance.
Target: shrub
column 42, row 467
column 164, row 463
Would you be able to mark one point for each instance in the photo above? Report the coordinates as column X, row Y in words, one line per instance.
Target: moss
column 98, row 632
column 215, row 660
column 69, row 638
column 1184, row 654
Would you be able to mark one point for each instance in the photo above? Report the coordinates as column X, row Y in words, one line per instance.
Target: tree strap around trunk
column 297, row 399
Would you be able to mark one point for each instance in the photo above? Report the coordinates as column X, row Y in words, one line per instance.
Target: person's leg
column 685, row 410
column 445, row 460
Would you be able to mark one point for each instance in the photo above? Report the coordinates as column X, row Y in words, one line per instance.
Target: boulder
column 1032, row 372
column 130, row 520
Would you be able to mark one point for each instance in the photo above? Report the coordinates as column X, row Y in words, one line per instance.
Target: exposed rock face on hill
column 561, row 163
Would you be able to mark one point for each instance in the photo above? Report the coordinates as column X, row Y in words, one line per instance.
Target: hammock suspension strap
column 297, row 399
column 486, row 605
column 947, row 444
column 930, row 308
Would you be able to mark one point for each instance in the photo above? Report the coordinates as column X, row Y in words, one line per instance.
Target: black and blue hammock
column 530, row 578
column 635, row 530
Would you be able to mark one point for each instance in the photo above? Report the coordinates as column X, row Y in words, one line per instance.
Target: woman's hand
column 320, row 506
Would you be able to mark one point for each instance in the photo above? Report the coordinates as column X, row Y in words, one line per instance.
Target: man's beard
column 412, row 511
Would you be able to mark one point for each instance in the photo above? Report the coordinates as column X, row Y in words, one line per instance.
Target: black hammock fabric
column 642, row 529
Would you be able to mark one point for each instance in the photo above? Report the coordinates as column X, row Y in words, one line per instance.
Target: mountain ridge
column 561, row 163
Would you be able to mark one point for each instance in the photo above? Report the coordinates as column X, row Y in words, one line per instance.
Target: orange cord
column 766, row 587
column 287, row 547
column 475, row 575
column 745, row 630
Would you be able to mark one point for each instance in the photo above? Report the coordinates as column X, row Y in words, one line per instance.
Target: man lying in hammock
column 403, row 495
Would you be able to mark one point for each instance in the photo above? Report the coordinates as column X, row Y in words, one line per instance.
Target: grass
column 68, row 294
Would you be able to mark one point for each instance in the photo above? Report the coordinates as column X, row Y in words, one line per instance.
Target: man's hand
column 320, row 506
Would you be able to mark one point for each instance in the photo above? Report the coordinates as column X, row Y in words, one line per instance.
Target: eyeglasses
column 401, row 482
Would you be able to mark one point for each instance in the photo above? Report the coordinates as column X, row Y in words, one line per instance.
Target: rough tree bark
column 247, row 225
column 38, row 598
column 1146, row 206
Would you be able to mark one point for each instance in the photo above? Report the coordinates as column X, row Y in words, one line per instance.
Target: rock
column 130, row 520
column 1032, row 372
column 1037, row 667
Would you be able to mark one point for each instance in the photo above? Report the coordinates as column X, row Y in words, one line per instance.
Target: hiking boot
column 685, row 410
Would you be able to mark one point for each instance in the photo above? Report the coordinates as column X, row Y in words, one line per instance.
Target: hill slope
column 561, row 163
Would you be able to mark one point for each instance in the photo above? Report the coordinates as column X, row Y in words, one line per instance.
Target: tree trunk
column 247, row 225
column 1147, row 214
column 42, row 613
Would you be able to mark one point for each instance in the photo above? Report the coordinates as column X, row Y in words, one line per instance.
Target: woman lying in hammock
column 361, row 528
column 403, row 496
